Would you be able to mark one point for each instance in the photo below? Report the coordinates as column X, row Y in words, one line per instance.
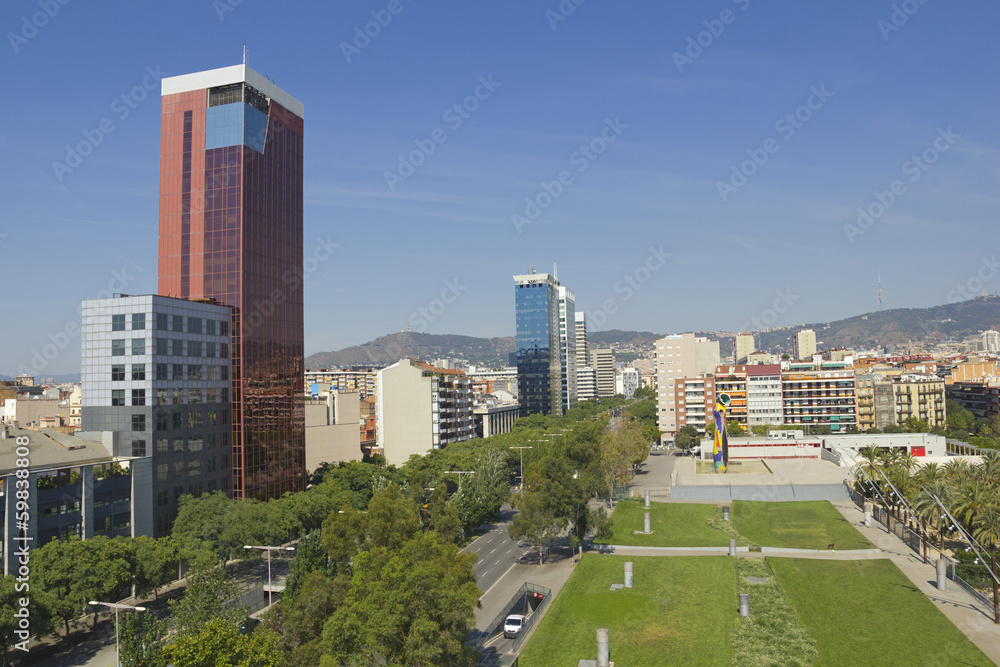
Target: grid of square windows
column 138, row 321
column 118, row 322
column 118, row 372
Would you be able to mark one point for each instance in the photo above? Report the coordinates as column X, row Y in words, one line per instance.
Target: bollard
column 732, row 548
column 645, row 523
column 647, row 498
column 603, row 648
column 725, row 514
column 868, row 517
column 628, row 574
column 942, row 574
column 744, row 604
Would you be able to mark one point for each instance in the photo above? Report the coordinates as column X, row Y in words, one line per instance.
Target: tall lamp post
column 522, row 465
column 116, row 607
column 269, row 550
column 460, row 473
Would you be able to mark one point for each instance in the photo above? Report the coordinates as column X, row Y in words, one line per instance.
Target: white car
column 512, row 626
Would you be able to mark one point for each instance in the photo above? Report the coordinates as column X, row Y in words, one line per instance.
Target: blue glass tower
column 539, row 366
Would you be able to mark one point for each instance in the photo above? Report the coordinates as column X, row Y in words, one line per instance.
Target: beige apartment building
column 419, row 408
column 680, row 356
column 919, row 396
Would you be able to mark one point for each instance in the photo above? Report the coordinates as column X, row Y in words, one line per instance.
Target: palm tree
column 928, row 509
column 908, row 461
column 987, row 525
column 956, row 469
column 989, row 470
column 930, row 473
column 970, row 501
column 869, row 465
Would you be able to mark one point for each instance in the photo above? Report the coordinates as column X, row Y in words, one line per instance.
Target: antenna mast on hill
column 880, row 291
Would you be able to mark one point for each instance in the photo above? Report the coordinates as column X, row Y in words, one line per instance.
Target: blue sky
column 870, row 91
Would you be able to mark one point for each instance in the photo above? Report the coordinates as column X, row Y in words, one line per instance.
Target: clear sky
column 711, row 153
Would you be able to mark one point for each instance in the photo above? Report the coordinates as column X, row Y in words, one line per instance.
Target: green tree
column 412, row 606
column 199, row 526
column 140, row 637
column 219, row 643
column 392, row 519
column 301, row 620
column 687, row 437
column 39, row 618
column 155, row 564
column 552, row 499
column 207, row 596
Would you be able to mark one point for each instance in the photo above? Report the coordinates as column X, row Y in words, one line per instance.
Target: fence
column 915, row 541
column 521, row 595
column 546, row 593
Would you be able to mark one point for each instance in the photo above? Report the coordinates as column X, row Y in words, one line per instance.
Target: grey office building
column 155, row 370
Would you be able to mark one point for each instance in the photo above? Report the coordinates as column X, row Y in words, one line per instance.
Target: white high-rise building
column 582, row 357
column 567, row 346
column 805, row 344
column 991, row 341
column 745, row 346
column 680, row 356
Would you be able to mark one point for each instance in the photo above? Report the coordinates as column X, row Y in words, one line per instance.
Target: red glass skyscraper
column 231, row 230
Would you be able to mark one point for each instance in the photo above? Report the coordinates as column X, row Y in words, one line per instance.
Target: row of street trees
column 377, row 577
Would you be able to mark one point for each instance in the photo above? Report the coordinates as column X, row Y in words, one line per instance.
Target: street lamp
column 460, row 473
column 269, row 550
column 522, row 465
column 116, row 607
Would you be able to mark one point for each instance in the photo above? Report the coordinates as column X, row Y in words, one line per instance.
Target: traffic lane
column 492, row 568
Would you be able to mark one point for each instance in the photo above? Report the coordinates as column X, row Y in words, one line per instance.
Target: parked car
column 512, row 626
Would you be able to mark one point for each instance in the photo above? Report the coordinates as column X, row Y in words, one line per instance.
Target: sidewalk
column 956, row 604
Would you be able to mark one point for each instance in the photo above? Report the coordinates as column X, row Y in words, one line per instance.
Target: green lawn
column 796, row 525
column 869, row 613
column 681, row 612
column 673, row 525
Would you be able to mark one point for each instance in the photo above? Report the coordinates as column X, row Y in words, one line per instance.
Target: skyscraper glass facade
column 539, row 367
column 231, row 168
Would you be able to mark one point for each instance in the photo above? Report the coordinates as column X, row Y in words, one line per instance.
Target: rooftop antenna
column 246, row 52
column 555, row 271
column 532, row 268
column 880, row 291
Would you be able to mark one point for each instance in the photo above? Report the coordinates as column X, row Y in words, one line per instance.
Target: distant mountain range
column 389, row 349
column 893, row 328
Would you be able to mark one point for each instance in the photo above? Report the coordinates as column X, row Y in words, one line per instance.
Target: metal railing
column 499, row 618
